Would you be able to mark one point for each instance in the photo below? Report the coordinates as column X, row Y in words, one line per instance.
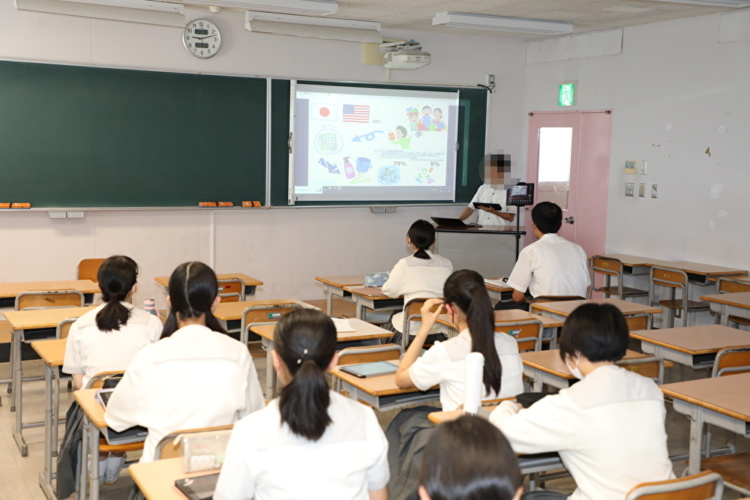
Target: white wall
column 283, row 248
column 675, row 91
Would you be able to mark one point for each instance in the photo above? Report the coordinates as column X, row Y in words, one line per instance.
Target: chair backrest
column 528, row 334
column 729, row 285
column 665, row 276
column 266, row 314
column 637, row 322
column 370, row 354
column 170, row 446
column 232, row 290
column 731, row 361
column 649, row 367
column 63, row 327
column 48, row 299
column 412, row 313
column 703, row 486
column 97, row 380
column 88, row 269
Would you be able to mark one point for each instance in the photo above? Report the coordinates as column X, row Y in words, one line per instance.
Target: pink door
column 568, row 161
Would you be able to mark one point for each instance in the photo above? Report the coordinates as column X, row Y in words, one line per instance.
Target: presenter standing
column 496, row 173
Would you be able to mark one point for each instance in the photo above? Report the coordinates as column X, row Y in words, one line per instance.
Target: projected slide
column 364, row 144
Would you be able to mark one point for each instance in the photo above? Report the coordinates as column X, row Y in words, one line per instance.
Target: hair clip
column 305, row 353
column 299, row 361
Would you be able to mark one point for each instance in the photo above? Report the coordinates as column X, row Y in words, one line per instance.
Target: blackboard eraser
column 206, row 204
column 226, row 204
column 4, row 205
column 256, row 204
column 247, row 204
column 20, row 205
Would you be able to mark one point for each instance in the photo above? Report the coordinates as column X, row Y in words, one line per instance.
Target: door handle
column 570, row 220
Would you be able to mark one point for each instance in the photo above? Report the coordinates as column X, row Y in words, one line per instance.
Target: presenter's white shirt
column 551, row 265
column 608, row 429
column 445, row 364
column 266, row 461
column 90, row 351
column 489, row 194
column 416, row 278
column 194, row 378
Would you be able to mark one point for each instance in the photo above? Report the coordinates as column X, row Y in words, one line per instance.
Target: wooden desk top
column 94, row 410
column 636, row 261
column 156, row 479
column 704, row 339
column 52, row 352
column 550, row 362
column 726, row 395
column 342, row 281
column 11, row 290
column 249, row 281
column 564, row 308
column 740, row 299
column 369, row 292
column 229, row 311
column 384, row 385
column 496, row 287
column 43, row 318
column 510, row 316
column 363, row 331
column 687, row 266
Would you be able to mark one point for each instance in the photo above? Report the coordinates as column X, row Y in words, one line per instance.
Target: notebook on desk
column 198, row 488
column 132, row 435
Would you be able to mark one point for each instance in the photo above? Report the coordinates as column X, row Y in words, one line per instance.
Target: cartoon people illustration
column 437, row 120
column 425, row 121
column 413, row 115
column 401, row 138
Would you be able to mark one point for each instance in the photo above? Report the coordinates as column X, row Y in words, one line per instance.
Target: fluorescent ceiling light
column 497, row 23
column 153, row 5
column 299, row 7
column 713, row 3
column 313, row 27
column 135, row 11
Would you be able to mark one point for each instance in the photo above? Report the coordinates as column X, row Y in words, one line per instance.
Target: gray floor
column 19, row 476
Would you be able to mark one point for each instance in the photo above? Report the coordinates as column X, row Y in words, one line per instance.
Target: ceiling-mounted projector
column 404, row 55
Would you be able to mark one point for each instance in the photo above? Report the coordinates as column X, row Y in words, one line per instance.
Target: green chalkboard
column 92, row 137
column 471, row 133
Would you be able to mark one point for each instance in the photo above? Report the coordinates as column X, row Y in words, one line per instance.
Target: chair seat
column 115, row 448
column 677, row 304
column 735, row 469
column 626, row 291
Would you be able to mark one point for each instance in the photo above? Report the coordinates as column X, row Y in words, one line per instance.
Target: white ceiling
column 586, row 15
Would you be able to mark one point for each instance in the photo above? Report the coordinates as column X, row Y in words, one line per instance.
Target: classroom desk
column 250, row 283
column 9, row 291
column 23, row 323
column 562, row 309
column 507, row 318
column 729, row 304
column 363, row 331
column 52, row 353
column 333, row 286
column 372, row 297
column 232, row 311
column 156, row 479
column 381, row 392
column 93, row 422
column 720, row 401
column 496, row 290
column 697, row 273
column 693, row 346
column 546, row 367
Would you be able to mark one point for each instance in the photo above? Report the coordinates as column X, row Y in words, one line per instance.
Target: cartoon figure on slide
column 425, row 121
column 401, row 138
column 437, row 120
column 412, row 114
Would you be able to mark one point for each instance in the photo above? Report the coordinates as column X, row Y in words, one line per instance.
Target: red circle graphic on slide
column 325, row 111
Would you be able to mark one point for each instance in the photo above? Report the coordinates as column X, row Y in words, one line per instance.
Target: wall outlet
column 644, row 167
column 654, row 193
column 630, row 189
column 642, row 190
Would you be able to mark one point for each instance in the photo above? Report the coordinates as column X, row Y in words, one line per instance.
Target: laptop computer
column 448, row 222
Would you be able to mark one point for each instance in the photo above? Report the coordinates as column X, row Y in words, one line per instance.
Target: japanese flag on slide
column 323, row 112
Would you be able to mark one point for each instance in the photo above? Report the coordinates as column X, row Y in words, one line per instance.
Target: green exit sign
column 567, row 94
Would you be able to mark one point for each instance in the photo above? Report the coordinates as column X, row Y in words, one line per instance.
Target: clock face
column 201, row 38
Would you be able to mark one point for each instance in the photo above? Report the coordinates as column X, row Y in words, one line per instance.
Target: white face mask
column 574, row 370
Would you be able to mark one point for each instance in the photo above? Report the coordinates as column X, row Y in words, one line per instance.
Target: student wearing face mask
column 609, row 427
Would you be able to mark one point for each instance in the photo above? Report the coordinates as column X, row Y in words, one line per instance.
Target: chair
column 412, row 314
column 609, row 268
column 232, row 290
column 730, row 285
column 731, row 361
column 366, row 354
column 528, row 333
column 647, row 366
column 674, row 280
column 262, row 314
column 88, row 269
column 703, row 486
column 48, row 299
column 170, row 446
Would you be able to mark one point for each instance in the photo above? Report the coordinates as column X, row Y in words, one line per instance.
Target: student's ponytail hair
column 305, row 340
column 422, row 235
column 117, row 275
column 193, row 287
column 465, row 289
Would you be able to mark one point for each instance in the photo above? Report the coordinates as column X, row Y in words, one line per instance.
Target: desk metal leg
column 724, row 315
column 83, row 468
column 94, row 452
column 45, row 477
column 360, row 310
column 696, row 436
column 329, row 302
column 18, row 393
column 270, row 372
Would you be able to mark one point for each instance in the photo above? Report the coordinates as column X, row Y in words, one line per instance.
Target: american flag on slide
column 356, row 113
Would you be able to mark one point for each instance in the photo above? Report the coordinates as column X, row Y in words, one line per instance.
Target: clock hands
column 203, row 37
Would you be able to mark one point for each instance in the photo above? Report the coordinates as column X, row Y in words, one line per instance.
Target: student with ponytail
column 419, row 276
column 196, row 376
column 309, row 442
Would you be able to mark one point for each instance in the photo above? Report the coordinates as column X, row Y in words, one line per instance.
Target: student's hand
column 431, row 310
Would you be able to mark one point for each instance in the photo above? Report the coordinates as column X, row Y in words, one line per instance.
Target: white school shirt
column 444, row 363
column 488, row 194
column 551, row 265
column 266, row 461
column 416, row 278
column 608, row 429
column 194, row 378
column 90, row 351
